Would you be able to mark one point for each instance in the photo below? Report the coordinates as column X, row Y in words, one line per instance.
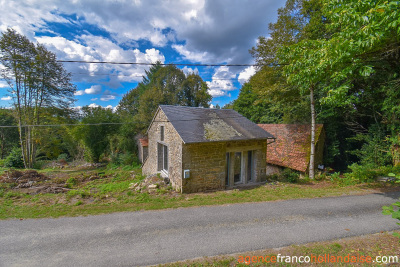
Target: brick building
column 201, row 149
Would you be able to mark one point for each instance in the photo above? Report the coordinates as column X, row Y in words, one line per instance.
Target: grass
column 106, row 190
column 381, row 244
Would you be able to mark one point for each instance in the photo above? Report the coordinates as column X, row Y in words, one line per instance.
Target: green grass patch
column 106, row 190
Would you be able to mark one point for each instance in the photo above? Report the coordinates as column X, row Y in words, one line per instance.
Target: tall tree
column 360, row 57
column 298, row 20
column 163, row 85
column 36, row 80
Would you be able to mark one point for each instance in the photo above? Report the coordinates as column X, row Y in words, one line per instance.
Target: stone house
column 291, row 148
column 200, row 149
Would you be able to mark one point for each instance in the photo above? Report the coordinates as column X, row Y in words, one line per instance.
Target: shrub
column 14, row 159
column 125, row 159
column 71, row 182
column 289, row 176
column 63, row 157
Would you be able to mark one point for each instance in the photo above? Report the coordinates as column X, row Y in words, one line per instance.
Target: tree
column 97, row 127
column 298, row 20
column 365, row 40
column 256, row 109
column 162, row 85
column 36, row 80
column 8, row 136
column 194, row 92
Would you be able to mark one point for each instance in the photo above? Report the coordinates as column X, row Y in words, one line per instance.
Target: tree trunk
column 312, row 150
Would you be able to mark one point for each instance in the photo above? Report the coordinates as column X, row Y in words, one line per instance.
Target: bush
column 289, row 175
column 365, row 173
column 14, row 159
column 125, row 159
column 38, row 165
column 63, row 157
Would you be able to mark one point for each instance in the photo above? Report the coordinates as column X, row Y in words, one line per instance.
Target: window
column 240, row 167
column 227, row 170
column 162, row 160
column 250, row 164
column 161, row 133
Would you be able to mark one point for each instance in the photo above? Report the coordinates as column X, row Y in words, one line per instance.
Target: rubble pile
column 151, row 184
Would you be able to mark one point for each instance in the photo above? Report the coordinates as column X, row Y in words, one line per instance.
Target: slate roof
column 198, row 125
column 292, row 144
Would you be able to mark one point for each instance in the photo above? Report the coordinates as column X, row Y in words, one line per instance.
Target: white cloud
column 79, row 92
column 96, row 48
column 109, row 107
column 188, row 70
column 221, row 82
column 191, row 55
column 94, row 99
column 6, row 98
column 94, row 89
column 3, row 84
column 245, row 75
column 93, row 105
column 108, row 95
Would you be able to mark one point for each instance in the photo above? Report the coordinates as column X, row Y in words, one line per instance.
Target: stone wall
column 207, row 163
column 174, row 143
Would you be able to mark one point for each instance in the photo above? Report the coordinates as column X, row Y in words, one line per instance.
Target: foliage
column 290, row 176
column 375, row 150
column 252, row 107
column 163, row 85
column 95, row 136
column 125, row 159
column 394, row 209
column 14, row 159
column 8, row 136
column 36, row 80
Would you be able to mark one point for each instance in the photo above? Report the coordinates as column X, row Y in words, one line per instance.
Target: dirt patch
column 22, row 179
column 30, row 182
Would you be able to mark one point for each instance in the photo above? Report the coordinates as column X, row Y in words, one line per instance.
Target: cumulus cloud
column 205, row 31
column 224, row 29
column 96, row 48
column 93, row 105
column 6, row 98
column 221, row 82
column 94, row 89
column 245, row 75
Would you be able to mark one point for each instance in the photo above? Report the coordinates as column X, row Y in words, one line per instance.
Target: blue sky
column 143, row 31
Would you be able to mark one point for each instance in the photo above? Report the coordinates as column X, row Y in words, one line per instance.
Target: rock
column 133, row 185
column 153, row 186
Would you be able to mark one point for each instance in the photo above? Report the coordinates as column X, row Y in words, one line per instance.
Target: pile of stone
column 150, row 185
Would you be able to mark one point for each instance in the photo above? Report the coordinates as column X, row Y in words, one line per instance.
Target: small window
column 161, row 133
